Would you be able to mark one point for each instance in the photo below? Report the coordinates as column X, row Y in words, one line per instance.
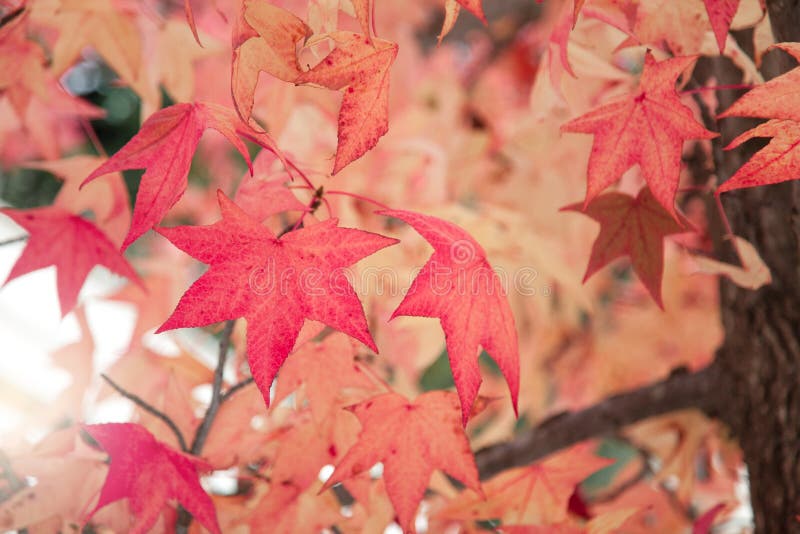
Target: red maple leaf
column 647, row 127
column 275, row 283
column 633, row 227
column 777, row 162
column 458, row 286
column 164, row 146
column 720, row 14
column 775, row 99
column 262, row 194
column 360, row 66
column 451, row 10
column 411, row 439
column 149, row 474
column 71, row 243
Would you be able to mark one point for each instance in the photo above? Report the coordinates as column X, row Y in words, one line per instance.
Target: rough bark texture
column 760, row 359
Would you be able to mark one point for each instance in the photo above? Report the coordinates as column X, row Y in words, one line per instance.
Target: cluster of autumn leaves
column 647, row 127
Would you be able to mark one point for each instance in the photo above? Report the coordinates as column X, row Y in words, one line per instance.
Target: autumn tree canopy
column 419, row 266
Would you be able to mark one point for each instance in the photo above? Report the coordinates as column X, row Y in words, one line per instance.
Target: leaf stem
column 236, row 387
column 732, row 87
column 728, row 230
column 359, row 197
column 13, row 240
column 300, row 173
column 149, row 408
column 98, row 146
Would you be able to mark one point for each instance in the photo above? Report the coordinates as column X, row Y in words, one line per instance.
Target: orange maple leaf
column 775, row 99
column 647, row 127
column 360, row 67
column 633, row 227
column 411, row 439
column 777, row 162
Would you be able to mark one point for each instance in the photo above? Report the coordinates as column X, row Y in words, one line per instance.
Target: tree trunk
column 759, row 362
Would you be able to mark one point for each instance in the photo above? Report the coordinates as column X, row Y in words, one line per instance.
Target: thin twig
column 236, row 387
column 13, row 240
column 149, row 408
column 201, row 434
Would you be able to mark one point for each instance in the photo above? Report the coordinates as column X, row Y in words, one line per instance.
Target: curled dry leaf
column 753, row 273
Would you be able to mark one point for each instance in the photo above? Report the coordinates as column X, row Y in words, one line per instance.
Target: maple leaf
column 751, row 274
column 647, row 127
column 107, row 200
column 111, row 31
column 678, row 28
column 305, row 512
column 326, row 368
column 164, row 146
column 68, row 477
column 275, row 283
column 265, row 39
column 777, row 162
column 261, row 197
column 71, row 243
column 189, row 12
column 411, row 439
column 149, row 473
column 775, row 99
column 535, row 494
column 361, row 68
column 173, row 68
column 607, row 523
column 451, row 11
column 720, row 14
column 633, row 227
column 22, row 71
column 458, row 286
column 576, row 10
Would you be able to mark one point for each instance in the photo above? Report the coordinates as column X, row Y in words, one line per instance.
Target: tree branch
column 149, row 408
column 201, row 434
column 681, row 390
column 217, row 398
column 236, row 387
